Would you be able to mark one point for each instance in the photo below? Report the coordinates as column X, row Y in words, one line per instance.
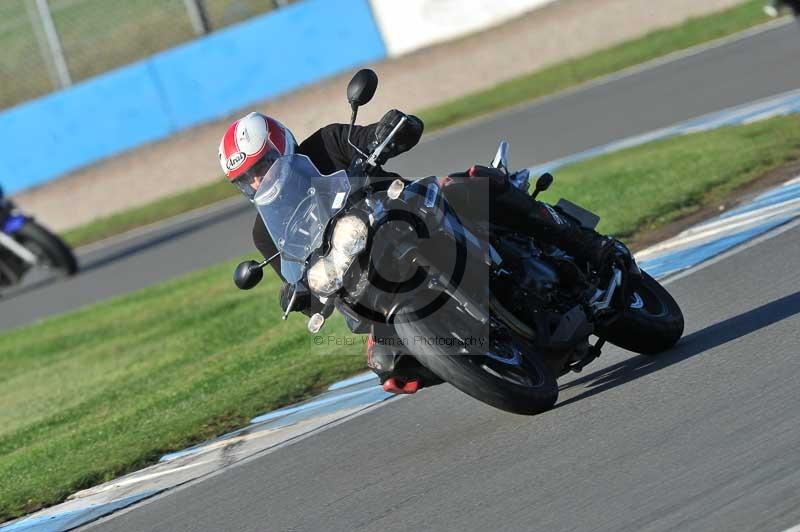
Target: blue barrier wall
column 182, row 87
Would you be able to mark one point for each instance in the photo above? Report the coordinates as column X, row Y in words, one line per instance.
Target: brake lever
column 297, row 289
column 372, row 160
column 290, row 305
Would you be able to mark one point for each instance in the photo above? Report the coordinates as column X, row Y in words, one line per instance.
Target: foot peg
column 594, row 353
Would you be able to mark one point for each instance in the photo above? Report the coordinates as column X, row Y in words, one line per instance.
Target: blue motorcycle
column 24, row 244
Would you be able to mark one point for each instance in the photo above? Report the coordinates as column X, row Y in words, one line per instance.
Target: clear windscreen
column 296, row 203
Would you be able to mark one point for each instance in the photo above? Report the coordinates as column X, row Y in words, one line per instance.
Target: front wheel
column 49, row 248
column 651, row 322
column 505, row 374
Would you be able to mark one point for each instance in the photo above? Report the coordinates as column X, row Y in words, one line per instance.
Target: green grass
column 152, row 212
column 98, row 392
column 642, row 188
column 513, row 92
column 92, row 394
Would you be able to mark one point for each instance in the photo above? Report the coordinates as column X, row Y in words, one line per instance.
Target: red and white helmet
column 250, row 146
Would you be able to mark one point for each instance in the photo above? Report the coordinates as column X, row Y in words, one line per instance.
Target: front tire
column 651, row 323
column 49, row 248
column 526, row 386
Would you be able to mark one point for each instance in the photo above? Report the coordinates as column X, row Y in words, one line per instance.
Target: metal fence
column 50, row 44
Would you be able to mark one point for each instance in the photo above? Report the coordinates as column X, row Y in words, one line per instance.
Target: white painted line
column 219, row 444
column 736, row 222
column 136, row 479
column 795, row 528
column 311, row 404
column 768, row 114
column 749, row 216
column 734, row 251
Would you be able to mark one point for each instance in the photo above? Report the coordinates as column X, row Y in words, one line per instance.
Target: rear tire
column 652, row 321
column 528, row 388
column 50, row 249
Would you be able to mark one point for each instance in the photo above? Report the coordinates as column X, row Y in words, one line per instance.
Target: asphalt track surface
column 759, row 66
column 703, row 437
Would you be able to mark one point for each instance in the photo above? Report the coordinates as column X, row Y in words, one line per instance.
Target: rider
column 253, row 143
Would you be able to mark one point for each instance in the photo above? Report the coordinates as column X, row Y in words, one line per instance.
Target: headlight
column 350, row 236
column 324, row 278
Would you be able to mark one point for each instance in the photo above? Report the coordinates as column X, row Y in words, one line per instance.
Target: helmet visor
column 248, row 182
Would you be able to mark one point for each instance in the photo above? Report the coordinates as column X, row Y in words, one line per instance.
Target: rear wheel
column 49, row 248
column 652, row 321
column 506, row 373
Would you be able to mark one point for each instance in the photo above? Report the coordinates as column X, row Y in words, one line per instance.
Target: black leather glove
column 304, row 302
column 406, row 138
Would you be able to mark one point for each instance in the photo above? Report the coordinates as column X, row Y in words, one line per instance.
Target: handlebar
column 361, row 163
column 377, row 152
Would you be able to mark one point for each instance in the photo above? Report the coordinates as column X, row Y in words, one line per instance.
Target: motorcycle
column 25, row 244
column 493, row 312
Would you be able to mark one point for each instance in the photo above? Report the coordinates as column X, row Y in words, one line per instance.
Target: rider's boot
column 600, row 252
column 552, row 226
column 398, row 372
column 587, row 245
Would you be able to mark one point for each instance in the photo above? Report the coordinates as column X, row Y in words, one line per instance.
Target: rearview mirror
column 362, row 87
column 247, row 274
column 544, row 181
column 542, row 184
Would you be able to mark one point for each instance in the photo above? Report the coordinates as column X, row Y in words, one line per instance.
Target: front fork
column 623, row 279
column 10, row 226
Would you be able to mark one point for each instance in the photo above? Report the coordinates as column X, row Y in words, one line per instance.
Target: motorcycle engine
column 526, row 280
column 536, row 287
column 543, row 291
